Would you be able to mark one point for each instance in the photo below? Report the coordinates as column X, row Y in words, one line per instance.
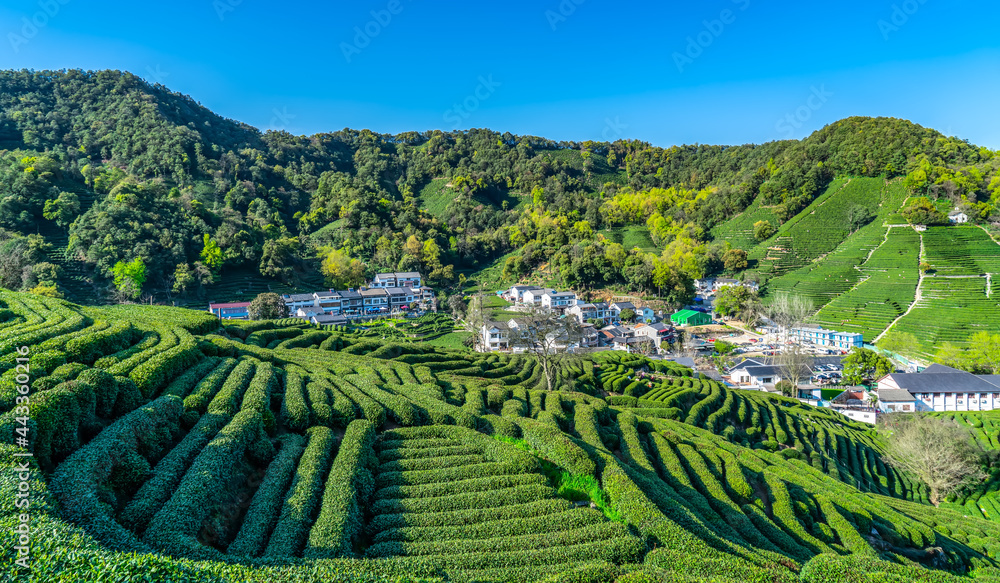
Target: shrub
column 555, row 446
column 206, row 389
column 370, row 409
column 262, row 514
column 299, row 508
column 348, row 489
column 184, row 384
column 226, row 401
column 174, row 528
column 77, row 482
column 294, row 409
column 169, row 472
column 258, row 393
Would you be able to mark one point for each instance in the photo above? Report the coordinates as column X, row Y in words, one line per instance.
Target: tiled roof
column 299, row 297
column 923, row 382
column 894, row 395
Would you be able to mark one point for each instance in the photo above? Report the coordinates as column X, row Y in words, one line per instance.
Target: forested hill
column 99, row 169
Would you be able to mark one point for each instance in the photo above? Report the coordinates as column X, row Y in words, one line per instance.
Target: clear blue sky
column 570, row 69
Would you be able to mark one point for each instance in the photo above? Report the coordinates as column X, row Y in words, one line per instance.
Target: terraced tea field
column 951, row 310
column 739, row 229
column 889, row 286
column 824, row 226
column 168, row 447
column 961, row 250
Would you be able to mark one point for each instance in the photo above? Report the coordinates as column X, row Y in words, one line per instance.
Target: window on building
column 906, row 407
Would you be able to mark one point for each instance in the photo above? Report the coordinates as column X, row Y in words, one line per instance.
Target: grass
column 435, row 197
column 450, row 341
column 572, row 487
column 631, row 237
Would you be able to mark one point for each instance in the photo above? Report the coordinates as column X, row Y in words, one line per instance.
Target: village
column 753, row 359
column 690, row 337
column 387, row 294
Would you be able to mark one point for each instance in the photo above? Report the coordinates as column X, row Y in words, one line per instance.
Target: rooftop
column 945, row 382
column 229, row 305
column 894, row 396
column 298, row 297
column 686, row 313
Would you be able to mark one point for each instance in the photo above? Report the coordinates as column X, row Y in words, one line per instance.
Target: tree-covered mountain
column 99, row 169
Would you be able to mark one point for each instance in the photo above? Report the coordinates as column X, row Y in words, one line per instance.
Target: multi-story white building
column 587, row 311
column 494, row 336
column 823, row 337
column 402, row 279
column 516, row 292
column 939, row 388
column 555, row 300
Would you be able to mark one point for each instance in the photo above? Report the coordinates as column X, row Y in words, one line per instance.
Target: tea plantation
column 169, row 448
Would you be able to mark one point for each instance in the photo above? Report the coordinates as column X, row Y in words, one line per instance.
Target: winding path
column 917, row 296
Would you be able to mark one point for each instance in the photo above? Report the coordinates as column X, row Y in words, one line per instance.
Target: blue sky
column 719, row 71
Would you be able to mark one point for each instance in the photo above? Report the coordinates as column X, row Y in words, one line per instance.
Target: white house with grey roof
column 940, row 388
column 761, row 374
column 494, row 336
column 559, row 301
column 956, row 216
column 397, row 279
column 516, row 292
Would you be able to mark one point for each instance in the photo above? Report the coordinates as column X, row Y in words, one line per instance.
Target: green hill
column 107, row 168
column 166, row 447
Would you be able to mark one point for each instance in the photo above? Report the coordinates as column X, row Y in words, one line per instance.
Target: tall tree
column 546, row 337
column 793, row 363
column 938, row 451
column 789, row 311
column 984, row 351
column 864, row 366
column 340, row 269
column 129, row 278
column 267, row 306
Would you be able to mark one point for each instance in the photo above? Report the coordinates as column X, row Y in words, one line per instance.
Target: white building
column 758, row 375
column 618, row 307
column 516, row 292
column 554, row 300
column 587, row 311
column 956, row 216
column 495, row 336
column 939, row 388
column 533, row 297
column 401, row 279
column 823, row 337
